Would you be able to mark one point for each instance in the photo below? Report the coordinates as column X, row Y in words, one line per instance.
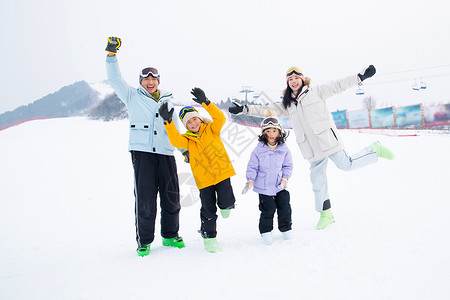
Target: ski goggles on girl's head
column 185, row 110
column 270, row 121
column 293, row 70
column 149, row 71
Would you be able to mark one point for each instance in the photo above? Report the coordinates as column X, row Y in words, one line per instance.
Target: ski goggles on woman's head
column 293, row 70
column 185, row 110
column 270, row 121
column 150, row 71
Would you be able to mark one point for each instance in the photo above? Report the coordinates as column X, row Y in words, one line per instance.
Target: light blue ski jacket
column 147, row 132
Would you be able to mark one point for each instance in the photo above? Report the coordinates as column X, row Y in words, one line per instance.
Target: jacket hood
column 307, row 81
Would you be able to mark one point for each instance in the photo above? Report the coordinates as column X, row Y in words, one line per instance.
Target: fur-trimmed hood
column 307, row 81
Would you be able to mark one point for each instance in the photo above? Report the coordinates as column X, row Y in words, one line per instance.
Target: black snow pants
column 279, row 203
column 155, row 173
column 225, row 200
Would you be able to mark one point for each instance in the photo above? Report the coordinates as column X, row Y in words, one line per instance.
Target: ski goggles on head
column 185, row 110
column 150, row 71
column 270, row 121
column 294, row 70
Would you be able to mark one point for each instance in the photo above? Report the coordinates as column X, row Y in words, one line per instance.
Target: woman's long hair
column 280, row 140
column 287, row 97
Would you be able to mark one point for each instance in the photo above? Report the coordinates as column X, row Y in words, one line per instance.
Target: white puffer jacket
column 313, row 124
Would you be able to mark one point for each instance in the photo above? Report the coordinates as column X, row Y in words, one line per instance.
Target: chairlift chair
column 359, row 91
column 415, row 86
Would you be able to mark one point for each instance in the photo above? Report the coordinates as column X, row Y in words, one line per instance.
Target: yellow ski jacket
column 209, row 160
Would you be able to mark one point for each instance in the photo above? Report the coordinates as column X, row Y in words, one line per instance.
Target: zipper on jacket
column 305, row 92
column 296, row 99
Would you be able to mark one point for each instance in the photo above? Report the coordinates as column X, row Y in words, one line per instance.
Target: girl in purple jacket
column 268, row 171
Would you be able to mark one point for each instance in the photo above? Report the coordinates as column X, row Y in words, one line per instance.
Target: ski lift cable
column 414, row 70
column 408, row 79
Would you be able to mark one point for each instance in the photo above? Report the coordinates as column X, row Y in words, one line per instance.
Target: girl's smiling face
column 295, row 82
column 272, row 135
column 194, row 124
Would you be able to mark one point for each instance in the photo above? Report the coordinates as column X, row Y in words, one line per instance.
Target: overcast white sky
column 222, row 46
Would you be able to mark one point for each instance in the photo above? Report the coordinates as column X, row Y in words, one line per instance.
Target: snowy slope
column 67, row 224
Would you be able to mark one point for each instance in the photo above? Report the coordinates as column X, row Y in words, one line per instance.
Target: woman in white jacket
column 316, row 132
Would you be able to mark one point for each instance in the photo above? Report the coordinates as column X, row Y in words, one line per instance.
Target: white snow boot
column 267, row 237
column 287, row 235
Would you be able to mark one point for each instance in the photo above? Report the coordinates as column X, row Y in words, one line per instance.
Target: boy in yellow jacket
column 209, row 161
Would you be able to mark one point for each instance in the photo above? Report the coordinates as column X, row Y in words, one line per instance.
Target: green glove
column 113, row 44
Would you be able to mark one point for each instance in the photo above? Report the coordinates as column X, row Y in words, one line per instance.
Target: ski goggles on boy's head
column 270, row 121
column 150, row 71
column 185, row 110
column 293, row 70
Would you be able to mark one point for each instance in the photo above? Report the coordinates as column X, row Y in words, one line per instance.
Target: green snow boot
column 212, row 245
column 225, row 213
column 382, row 151
column 174, row 242
column 326, row 218
column 143, row 250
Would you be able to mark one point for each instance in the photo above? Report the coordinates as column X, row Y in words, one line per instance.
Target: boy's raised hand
column 165, row 113
column 113, row 45
column 200, row 96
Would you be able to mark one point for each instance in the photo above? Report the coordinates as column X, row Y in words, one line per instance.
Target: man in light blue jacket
column 152, row 155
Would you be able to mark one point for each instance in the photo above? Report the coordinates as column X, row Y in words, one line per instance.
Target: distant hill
column 72, row 100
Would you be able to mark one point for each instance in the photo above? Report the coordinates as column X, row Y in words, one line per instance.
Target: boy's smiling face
column 194, row 124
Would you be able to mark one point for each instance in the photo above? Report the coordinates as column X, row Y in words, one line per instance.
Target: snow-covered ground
column 67, row 224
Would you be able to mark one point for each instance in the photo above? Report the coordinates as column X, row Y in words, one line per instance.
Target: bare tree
column 369, row 102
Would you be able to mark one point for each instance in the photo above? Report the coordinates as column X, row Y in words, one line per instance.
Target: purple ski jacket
column 266, row 168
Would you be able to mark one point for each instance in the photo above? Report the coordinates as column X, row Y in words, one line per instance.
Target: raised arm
column 338, row 86
column 120, row 86
column 258, row 110
column 216, row 114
